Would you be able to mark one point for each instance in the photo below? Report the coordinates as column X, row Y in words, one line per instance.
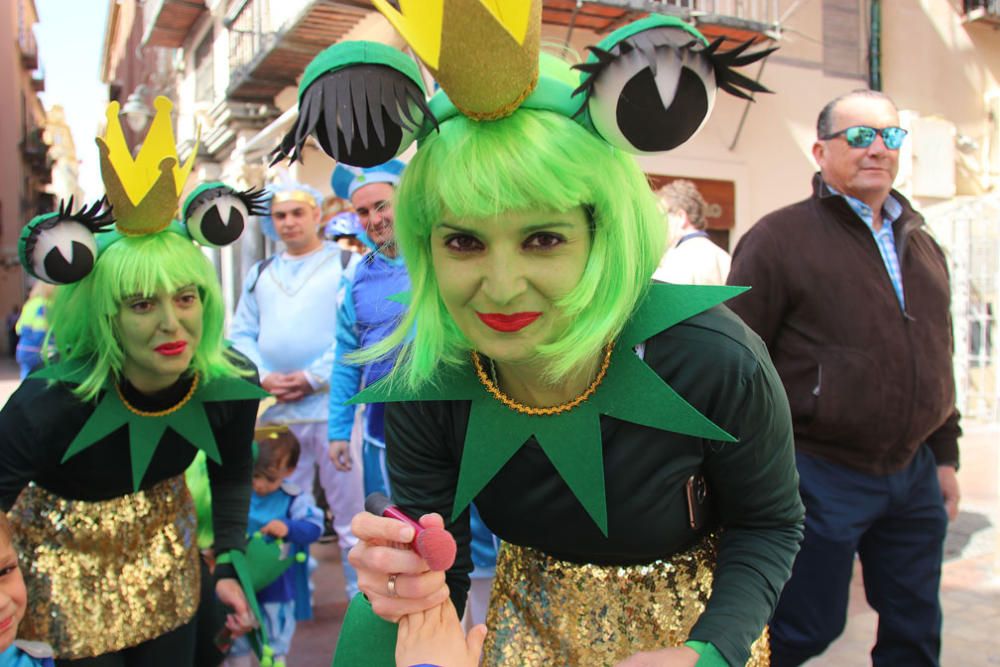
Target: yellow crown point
column 420, row 27
column 514, row 16
column 144, row 191
column 484, row 53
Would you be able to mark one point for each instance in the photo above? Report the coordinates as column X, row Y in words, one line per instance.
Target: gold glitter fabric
column 106, row 575
column 546, row 612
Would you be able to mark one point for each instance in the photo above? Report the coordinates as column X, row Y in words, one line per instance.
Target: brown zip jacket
column 867, row 381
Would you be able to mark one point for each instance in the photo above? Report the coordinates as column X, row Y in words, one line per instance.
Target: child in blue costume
column 280, row 510
column 13, row 601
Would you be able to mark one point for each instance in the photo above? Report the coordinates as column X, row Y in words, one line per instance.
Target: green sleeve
column 231, row 482
column 423, row 454
column 755, row 485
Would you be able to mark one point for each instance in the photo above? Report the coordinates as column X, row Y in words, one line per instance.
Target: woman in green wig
column 629, row 442
column 94, row 446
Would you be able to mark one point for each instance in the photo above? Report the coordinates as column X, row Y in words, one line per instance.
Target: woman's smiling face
column 159, row 334
column 500, row 277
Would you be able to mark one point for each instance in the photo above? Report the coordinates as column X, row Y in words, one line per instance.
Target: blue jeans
column 896, row 524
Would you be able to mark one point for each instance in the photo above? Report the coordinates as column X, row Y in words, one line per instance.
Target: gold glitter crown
column 143, row 192
column 484, row 53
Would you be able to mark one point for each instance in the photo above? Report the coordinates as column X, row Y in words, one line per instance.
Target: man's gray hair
column 824, row 123
column 683, row 195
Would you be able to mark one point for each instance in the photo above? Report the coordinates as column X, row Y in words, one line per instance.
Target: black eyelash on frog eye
column 648, row 42
column 96, row 218
column 346, row 101
column 255, row 200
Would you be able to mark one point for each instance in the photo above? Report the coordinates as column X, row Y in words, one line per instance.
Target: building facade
column 23, row 152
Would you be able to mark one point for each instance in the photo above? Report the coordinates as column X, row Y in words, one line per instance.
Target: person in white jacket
column 692, row 257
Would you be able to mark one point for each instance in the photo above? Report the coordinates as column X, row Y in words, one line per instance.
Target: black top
column 41, row 419
column 722, row 369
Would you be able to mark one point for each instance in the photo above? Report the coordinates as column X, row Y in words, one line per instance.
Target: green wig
column 84, row 313
column 481, row 169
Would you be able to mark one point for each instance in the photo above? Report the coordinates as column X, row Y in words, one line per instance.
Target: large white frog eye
column 216, row 216
column 363, row 115
column 60, row 248
column 64, row 253
column 654, row 90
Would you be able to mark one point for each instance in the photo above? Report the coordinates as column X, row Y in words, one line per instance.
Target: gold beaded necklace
column 160, row 413
column 498, row 394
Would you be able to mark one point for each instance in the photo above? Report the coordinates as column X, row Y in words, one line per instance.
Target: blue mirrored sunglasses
column 862, row 136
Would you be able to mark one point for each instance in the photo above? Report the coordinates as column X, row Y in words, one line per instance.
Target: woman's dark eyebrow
column 545, row 225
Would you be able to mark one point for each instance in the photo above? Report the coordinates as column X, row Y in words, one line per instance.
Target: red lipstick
column 172, row 349
column 508, row 323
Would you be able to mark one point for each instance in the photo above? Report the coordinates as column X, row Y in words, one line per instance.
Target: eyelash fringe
column 649, row 42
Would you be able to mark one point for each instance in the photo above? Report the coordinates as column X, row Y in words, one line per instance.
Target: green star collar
column 190, row 421
column 572, row 440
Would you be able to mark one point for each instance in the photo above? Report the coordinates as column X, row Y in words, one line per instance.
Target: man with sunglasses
column 851, row 296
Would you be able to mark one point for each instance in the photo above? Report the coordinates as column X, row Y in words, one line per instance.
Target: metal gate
column 968, row 229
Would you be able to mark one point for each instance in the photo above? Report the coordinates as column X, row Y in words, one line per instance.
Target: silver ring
column 391, row 585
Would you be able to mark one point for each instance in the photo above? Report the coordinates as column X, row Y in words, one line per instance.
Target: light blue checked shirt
column 885, row 239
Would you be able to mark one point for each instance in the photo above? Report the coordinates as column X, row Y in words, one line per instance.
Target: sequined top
column 723, row 370
column 40, row 420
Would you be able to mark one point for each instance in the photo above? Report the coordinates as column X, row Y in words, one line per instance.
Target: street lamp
column 137, row 113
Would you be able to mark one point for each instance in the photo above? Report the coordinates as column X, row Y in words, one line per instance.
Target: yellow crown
column 484, row 53
column 143, row 192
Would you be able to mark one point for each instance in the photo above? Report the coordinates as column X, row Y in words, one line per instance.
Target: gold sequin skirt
column 546, row 612
column 106, row 575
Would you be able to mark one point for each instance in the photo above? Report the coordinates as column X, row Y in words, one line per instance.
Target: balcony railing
column 987, row 11
column 29, row 49
column 35, row 151
column 739, row 19
column 250, row 36
column 270, row 45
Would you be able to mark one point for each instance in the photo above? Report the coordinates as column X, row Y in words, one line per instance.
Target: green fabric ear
column 648, row 23
column 26, row 231
column 345, row 54
column 365, row 638
column 211, row 185
column 265, row 560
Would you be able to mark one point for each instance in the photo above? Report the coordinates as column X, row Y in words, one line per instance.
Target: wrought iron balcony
column 35, row 152
column 736, row 19
column 265, row 58
column 987, row 11
column 168, row 22
column 29, row 49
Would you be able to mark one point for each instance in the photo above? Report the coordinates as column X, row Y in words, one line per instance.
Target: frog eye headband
column 142, row 193
column 646, row 88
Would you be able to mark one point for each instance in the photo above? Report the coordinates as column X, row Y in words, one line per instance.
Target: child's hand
column 240, row 620
column 275, row 528
column 435, row 637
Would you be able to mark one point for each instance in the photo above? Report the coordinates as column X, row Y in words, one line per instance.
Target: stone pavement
column 970, row 587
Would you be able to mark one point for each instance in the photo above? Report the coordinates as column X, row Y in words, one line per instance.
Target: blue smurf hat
column 346, row 179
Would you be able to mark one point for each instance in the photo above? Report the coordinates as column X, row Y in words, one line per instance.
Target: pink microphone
column 435, row 545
